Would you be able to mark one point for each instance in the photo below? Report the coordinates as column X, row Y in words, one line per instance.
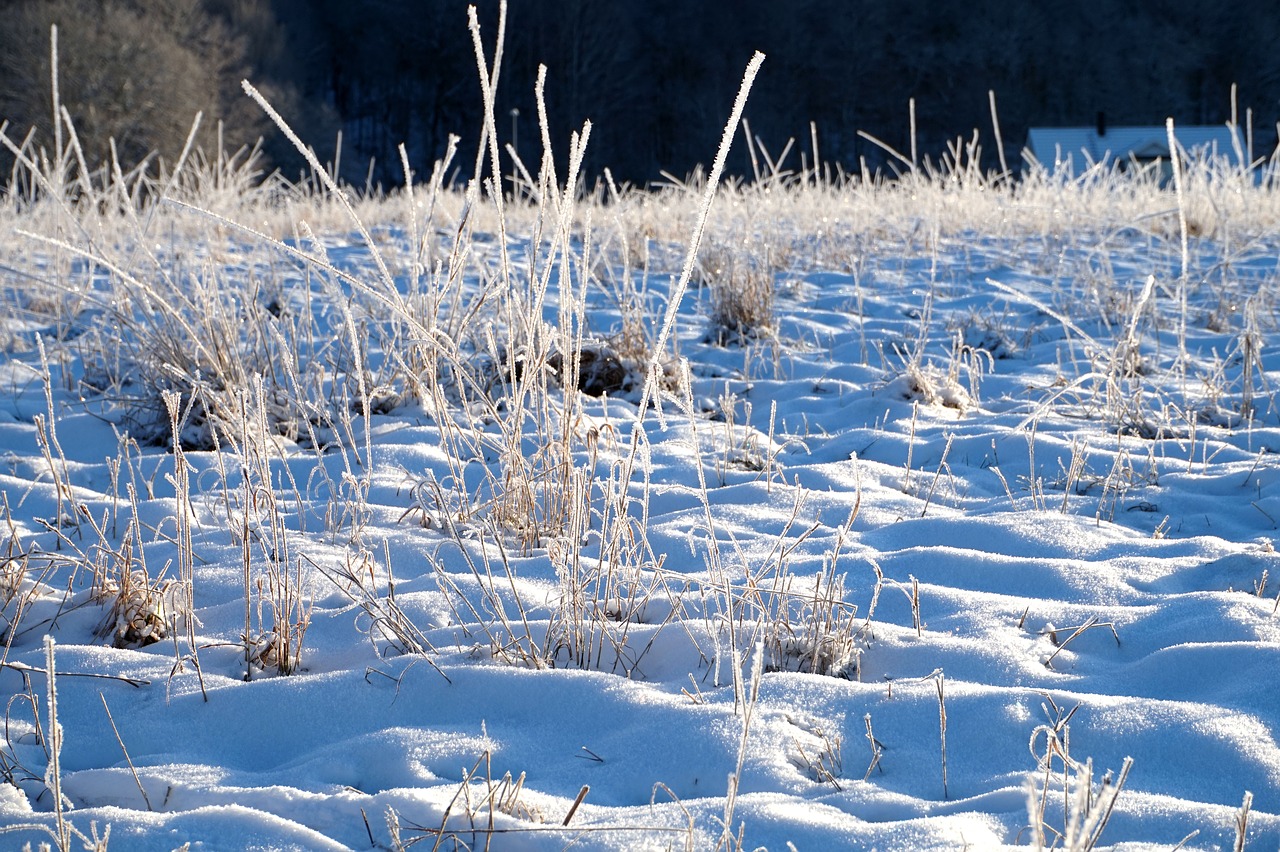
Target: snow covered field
column 916, row 515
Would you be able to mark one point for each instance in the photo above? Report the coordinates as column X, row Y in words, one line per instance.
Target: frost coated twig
column 180, row 479
column 877, row 749
column 1242, row 821
column 53, row 770
column 324, row 176
column 1175, row 161
column 1057, row 315
column 1076, row 631
column 1090, row 812
column 995, row 125
column 489, row 132
column 939, row 681
column 746, row 696
column 677, row 292
column 332, row 185
column 127, row 759
column 24, row 670
column 63, row 830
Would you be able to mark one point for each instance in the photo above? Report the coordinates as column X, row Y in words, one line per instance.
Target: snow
column 1041, row 553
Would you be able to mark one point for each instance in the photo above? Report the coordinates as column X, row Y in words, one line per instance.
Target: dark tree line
column 655, row 77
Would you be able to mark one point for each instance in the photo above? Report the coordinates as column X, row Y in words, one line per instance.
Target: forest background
column 655, row 77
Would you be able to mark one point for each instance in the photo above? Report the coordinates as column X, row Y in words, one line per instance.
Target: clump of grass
column 823, row 759
column 140, row 607
column 928, row 386
column 798, row 627
column 477, row 803
column 255, row 515
column 484, row 810
column 742, row 291
column 600, row 370
column 24, row 577
column 148, row 322
column 817, row 632
column 1086, row 808
column 283, row 616
column 631, row 340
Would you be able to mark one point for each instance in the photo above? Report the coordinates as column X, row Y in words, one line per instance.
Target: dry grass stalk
column 877, row 750
column 184, row 514
column 939, row 682
column 1242, row 822
column 358, row 579
column 1090, row 623
column 132, row 769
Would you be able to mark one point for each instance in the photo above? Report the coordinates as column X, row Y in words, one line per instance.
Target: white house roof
column 1081, row 147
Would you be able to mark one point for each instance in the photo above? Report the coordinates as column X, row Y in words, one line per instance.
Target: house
column 1076, row 149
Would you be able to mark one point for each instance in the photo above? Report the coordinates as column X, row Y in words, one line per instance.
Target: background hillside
column 654, row 76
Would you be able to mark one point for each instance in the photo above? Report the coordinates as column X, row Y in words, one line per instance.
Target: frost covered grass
column 825, row 510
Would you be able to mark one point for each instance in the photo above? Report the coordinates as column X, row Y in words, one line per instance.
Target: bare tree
column 135, row 72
